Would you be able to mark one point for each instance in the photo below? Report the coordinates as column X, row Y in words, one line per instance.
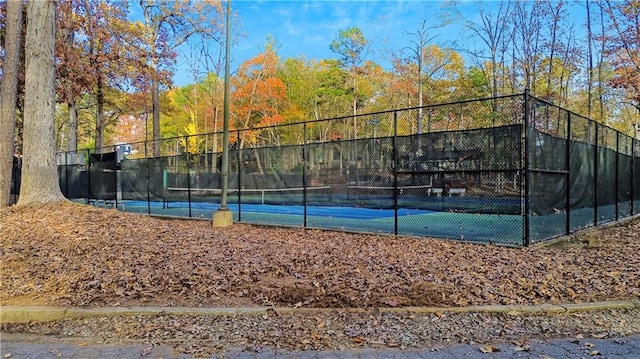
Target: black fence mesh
column 581, row 173
column 466, row 171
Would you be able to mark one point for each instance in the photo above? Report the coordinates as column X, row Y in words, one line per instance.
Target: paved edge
column 26, row 314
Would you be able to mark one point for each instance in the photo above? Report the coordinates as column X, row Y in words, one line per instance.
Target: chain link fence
column 468, row 171
column 580, row 173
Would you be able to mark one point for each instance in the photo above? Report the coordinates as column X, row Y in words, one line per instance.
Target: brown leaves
column 79, row 255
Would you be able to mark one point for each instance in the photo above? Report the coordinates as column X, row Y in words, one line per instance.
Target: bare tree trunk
column 155, row 109
column 99, row 116
column 555, row 14
column 72, row 134
column 601, row 67
column 8, row 97
column 589, row 60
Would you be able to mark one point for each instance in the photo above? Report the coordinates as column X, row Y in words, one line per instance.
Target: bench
column 457, row 191
column 435, row 191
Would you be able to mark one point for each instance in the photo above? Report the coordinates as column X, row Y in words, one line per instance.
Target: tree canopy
column 114, row 68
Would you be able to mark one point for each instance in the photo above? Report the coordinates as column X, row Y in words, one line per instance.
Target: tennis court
column 512, row 170
column 410, row 217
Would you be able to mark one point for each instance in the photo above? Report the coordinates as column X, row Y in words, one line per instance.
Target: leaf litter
column 70, row 254
column 76, row 255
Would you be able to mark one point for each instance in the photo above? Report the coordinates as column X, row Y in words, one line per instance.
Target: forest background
column 129, row 71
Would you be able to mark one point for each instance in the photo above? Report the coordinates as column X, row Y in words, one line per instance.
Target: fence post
column 595, row 178
column 89, row 175
column 395, row 172
column 115, row 179
column 525, row 230
column 147, row 163
column 146, row 168
column 66, row 170
column 186, row 155
column 632, row 189
column 568, row 168
column 617, row 175
column 304, row 173
column 239, row 175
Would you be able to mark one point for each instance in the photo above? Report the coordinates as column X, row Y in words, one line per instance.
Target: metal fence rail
column 511, row 170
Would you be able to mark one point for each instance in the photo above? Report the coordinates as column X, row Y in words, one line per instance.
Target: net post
column 568, row 168
column 395, row 172
column 527, row 104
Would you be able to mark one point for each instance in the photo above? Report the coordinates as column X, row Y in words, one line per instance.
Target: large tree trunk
column 39, row 172
column 8, row 96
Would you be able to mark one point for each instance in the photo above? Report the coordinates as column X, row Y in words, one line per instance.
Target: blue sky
column 306, row 28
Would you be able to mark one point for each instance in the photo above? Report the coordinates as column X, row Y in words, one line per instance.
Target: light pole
column 223, row 217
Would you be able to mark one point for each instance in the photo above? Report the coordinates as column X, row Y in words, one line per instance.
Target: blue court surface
column 322, row 211
column 474, row 227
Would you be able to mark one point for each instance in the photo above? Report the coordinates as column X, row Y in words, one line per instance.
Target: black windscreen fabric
column 548, row 173
column 158, row 177
column 102, row 176
column 16, row 172
column 491, row 149
column 74, row 181
column 624, row 185
column 271, row 175
column 133, row 177
column 546, row 152
column 606, row 185
column 582, row 175
column 547, row 193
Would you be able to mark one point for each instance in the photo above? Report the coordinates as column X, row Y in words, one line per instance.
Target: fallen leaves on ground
column 71, row 254
column 204, row 335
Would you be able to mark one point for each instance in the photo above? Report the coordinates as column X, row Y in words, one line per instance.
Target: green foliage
column 350, row 44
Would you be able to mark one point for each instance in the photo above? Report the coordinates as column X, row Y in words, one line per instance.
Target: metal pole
column 66, row 171
column 225, row 121
column 395, row 172
column 88, row 167
column 187, row 155
column 568, row 168
column 617, row 176
column 239, row 176
column 223, row 217
column 304, row 173
column 525, row 229
column 632, row 189
column 595, row 176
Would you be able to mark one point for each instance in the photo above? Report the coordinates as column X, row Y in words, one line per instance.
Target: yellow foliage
column 189, row 139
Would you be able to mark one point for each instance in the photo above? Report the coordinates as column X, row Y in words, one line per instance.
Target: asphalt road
column 31, row 346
